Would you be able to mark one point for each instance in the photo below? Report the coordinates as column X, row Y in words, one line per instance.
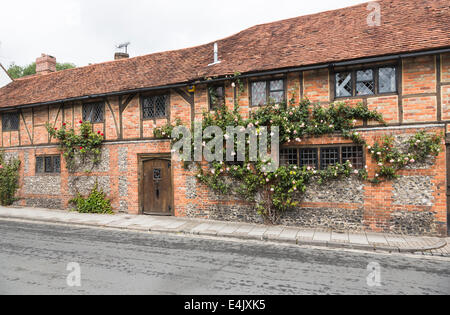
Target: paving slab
column 306, row 234
column 339, row 237
column 358, row 238
column 273, row 232
column 322, row 236
column 289, row 234
column 377, row 239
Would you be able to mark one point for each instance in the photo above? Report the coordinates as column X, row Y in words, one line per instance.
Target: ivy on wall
column 86, row 145
column 276, row 192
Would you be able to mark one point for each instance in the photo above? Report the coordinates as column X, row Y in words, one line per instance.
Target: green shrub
column 96, row 202
column 9, row 180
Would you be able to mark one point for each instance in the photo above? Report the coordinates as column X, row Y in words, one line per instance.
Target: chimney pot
column 45, row 64
column 121, row 55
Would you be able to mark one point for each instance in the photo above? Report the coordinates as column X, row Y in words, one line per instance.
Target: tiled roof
column 407, row 26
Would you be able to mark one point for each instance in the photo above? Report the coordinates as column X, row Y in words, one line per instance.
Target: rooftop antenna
column 124, row 45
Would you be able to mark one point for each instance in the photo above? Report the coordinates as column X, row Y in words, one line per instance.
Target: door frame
column 145, row 157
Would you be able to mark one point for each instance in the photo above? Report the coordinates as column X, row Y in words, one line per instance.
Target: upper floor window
column 216, row 96
column 371, row 81
column 47, row 164
column 10, row 121
column 94, row 112
column 265, row 91
column 154, row 106
column 323, row 157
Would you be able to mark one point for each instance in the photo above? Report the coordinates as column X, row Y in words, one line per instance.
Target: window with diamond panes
column 154, row 106
column 216, row 96
column 289, row 157
column 387, row 80
column 354, row 154
column 329, row 157
column 344, row 84
column 93, row 112
column 365, row 83
column 276, row 91
column 308, row 157
column 48, row 164
column 10, row 121
column 259, row 90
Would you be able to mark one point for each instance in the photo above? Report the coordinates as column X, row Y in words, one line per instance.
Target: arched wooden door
column 157, row 187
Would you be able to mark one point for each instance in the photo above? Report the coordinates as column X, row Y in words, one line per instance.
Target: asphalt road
column 34, row 260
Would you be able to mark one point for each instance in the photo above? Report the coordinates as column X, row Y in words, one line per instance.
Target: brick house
column 400, row 68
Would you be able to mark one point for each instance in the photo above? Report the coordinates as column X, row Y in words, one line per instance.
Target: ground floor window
column 48, row 164
column 322, row 157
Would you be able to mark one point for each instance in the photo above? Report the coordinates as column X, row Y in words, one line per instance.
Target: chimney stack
column 121, row 55
column 45, row 64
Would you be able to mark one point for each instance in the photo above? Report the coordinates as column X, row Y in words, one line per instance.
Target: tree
column 16, row 71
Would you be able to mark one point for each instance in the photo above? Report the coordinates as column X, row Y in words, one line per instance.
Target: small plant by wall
column 86, row 145
column 9, row 180
column 96, row 202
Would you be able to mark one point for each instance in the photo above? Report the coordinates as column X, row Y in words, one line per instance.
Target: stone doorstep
column 279, row 234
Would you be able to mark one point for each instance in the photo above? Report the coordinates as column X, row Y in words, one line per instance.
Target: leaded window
column 289, row 157
column 264, row 92
column 387, row 80
column 48, row 164
column 344, row 84
column 308, row 157
column 276, row 91
column 259, row 93
column 365, row 84
column 10, row 121
column 216, row 96
column 323, row 157
column 354, row 155
column 329, row 157
column 154, row 106
column 94, row 112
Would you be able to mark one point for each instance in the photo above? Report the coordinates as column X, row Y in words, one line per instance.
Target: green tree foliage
column 16, row 71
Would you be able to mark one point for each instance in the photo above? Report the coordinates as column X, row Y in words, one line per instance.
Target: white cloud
column 86, row 31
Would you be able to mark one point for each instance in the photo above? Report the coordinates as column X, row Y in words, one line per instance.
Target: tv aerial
column 124, row 46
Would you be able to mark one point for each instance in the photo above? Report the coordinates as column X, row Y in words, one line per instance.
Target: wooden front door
column 157, row 187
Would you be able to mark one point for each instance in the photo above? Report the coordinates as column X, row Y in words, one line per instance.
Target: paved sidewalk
column 281, row 234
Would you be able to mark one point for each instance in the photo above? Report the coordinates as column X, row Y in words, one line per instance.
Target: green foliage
column 390, row 159
column 86, row 145
column 96, row 202
column 165, row 132
column 9, row 180
column 16, row 71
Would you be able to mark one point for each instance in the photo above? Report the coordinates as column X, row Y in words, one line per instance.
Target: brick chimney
column 121, row 55
column 45, row 64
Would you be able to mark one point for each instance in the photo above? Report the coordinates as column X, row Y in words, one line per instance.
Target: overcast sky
column 86, row 31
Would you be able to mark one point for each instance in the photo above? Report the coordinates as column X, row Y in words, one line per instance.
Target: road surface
column 34, row 259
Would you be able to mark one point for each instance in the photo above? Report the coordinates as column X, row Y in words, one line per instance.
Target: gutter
column 248, row 75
